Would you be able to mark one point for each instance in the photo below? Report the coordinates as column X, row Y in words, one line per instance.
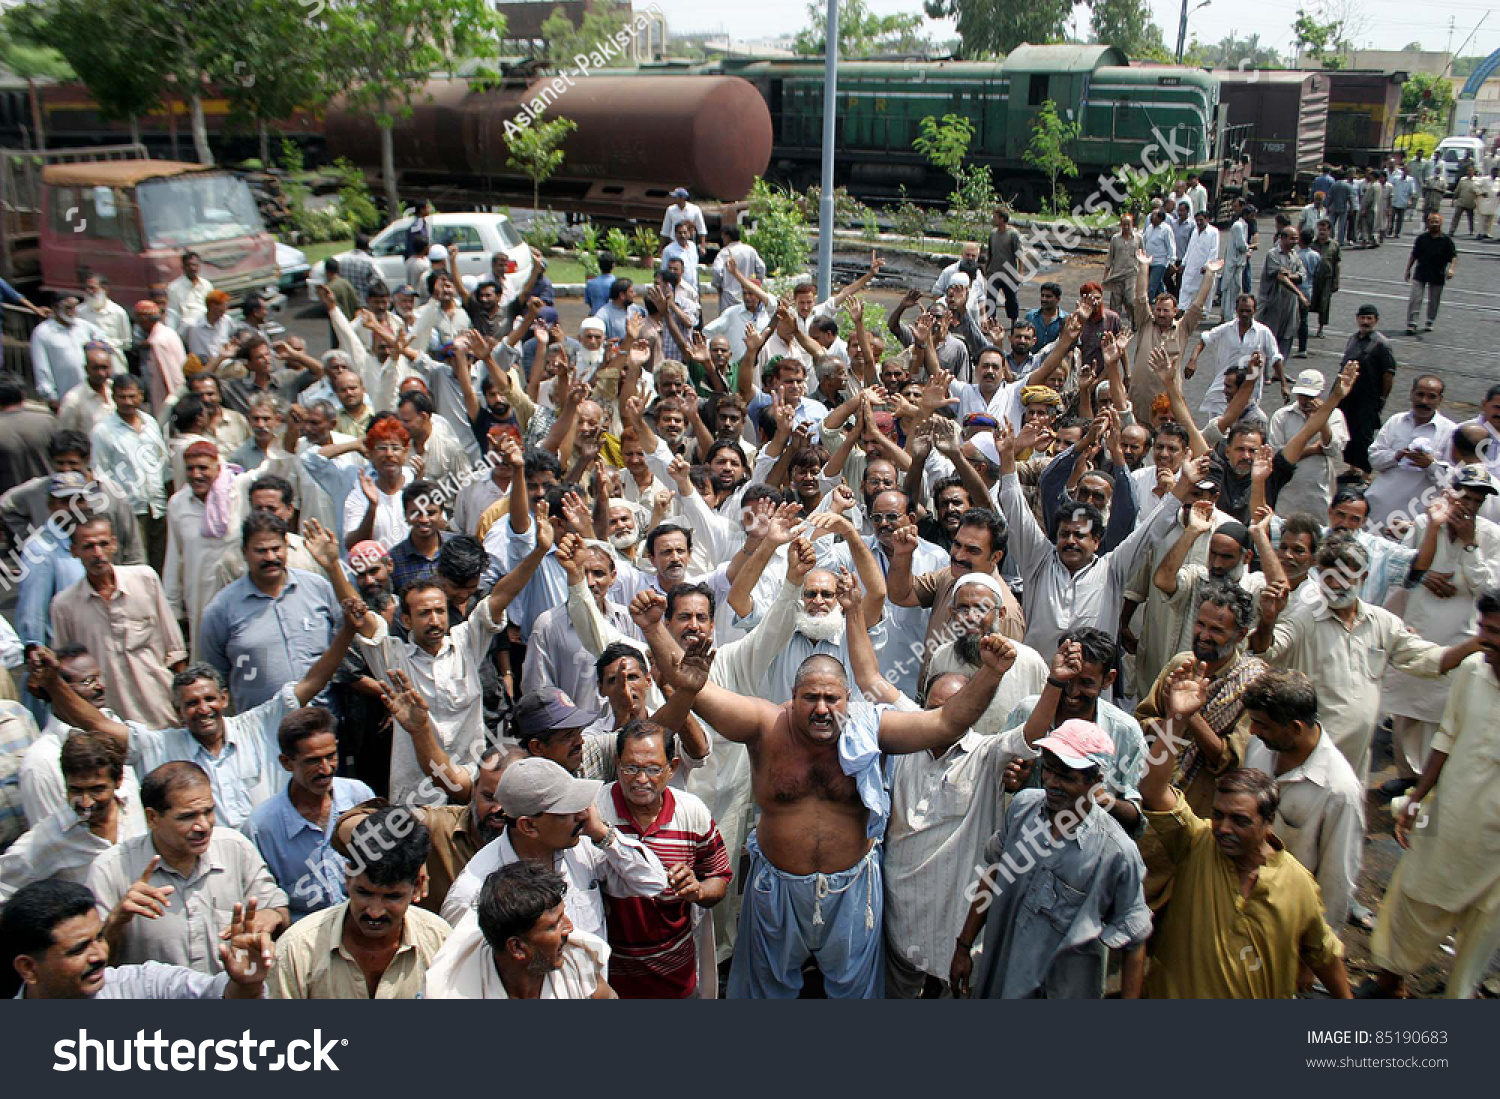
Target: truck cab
column 131, row 221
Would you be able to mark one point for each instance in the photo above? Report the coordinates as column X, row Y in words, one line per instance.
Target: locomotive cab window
column 1036, row 93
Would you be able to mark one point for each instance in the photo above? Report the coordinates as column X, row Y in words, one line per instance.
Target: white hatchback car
column 478, row 235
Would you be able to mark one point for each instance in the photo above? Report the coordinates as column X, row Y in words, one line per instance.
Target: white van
column 1451, row 153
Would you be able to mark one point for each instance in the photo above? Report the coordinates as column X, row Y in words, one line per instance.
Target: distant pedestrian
column 1433, row 259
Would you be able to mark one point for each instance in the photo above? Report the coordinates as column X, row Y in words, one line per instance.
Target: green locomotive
column 1130, row 115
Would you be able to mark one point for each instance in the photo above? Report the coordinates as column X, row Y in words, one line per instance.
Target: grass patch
column 317, row 253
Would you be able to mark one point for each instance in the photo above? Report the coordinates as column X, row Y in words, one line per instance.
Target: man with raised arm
column 814, row 887
column 1245, row 915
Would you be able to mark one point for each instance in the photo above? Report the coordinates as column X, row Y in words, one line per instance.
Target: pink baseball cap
column 1080, row 744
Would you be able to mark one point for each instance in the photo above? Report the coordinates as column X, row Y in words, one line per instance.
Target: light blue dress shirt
column 299, row 853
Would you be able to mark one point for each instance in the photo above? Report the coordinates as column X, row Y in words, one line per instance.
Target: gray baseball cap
column 533, row 786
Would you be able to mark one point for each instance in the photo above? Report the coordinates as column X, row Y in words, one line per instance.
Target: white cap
column 958, row 278
column 591, row 324
column 1309, row 384
column 437, row 252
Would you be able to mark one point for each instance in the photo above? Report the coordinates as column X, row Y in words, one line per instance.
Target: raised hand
column 800, row 559
column 576, row 512
column 569, row 557
column 1162, row 366
column 247, row 953
column 42, row 668
column 647, row 608
column 921, row 331
column 367, row 486
column 1263, row 463
column 850, row 596
column 1200, row 519
column 1273, row 600
column 321, row 543
column 910, row 298
column 1345, row 383
column 841, row 500
column 403, row 700
column 785, row 524
column 998, row 653
column 355, row 611
column 831, row 522
column 679, row 469
column 546, row 536
column 904, row 538
column 1186, row 690
column 1067, row 662
column 1255, row 367
column 1214, row 266
column 689, row 671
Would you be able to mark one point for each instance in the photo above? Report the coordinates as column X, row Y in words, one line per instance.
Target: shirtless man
column 815, row 886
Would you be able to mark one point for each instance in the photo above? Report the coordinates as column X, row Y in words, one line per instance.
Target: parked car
column 478, row 235
column 292, row 263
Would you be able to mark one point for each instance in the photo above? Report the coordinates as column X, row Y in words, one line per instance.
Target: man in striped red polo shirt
column 655, row 952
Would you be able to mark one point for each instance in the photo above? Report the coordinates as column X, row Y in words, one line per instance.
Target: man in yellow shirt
column 1245, row 915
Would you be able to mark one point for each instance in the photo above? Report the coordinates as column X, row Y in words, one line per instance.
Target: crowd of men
column 783, row 650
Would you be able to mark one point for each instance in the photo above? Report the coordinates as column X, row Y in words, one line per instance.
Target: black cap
column 1367, row 310
column 545, row 709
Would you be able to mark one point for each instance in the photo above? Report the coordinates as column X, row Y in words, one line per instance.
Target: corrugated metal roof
column 116, row 173
column 1061, row 59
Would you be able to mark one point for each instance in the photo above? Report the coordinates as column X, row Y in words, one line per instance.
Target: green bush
column 618, row 243
column 1419, row 142
column 912, row 221
column 588, row 249
column 971, row 206
column 875, row 315
column 644, row 243
column 543, row 231
column 780, row 233
column 320, row 225
column 356, row 205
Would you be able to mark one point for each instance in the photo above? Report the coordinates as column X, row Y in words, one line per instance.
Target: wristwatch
column 609, row 839
column 1059, row 684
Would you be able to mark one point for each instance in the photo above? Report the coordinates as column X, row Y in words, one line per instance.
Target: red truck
column 129, row 218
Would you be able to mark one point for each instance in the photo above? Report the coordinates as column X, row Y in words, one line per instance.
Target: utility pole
column 1182, row 31
column 830, row 108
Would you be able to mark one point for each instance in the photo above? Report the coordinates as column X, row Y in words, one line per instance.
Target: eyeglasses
column 886, row 517
column 630, row 770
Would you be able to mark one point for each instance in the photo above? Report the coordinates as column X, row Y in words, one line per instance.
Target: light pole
column 830, row 105
column 1182, row 26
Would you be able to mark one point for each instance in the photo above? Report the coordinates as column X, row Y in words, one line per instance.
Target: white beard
column 624, row 540
column 826, row 627
column 98, row 301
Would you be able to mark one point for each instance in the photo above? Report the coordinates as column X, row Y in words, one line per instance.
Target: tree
column 123, row 82
column 1233, row 52
column 1320, row 40
column 945, row 143
column 381, row 53
column 1427, row 96
column 862, row 33
column 1126, row 25
column 990, row 27
column 565, row 41
column 1330, row 30
column 536, row 151
column 1048, row 149
column 272, row 67
column 1412, row 47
